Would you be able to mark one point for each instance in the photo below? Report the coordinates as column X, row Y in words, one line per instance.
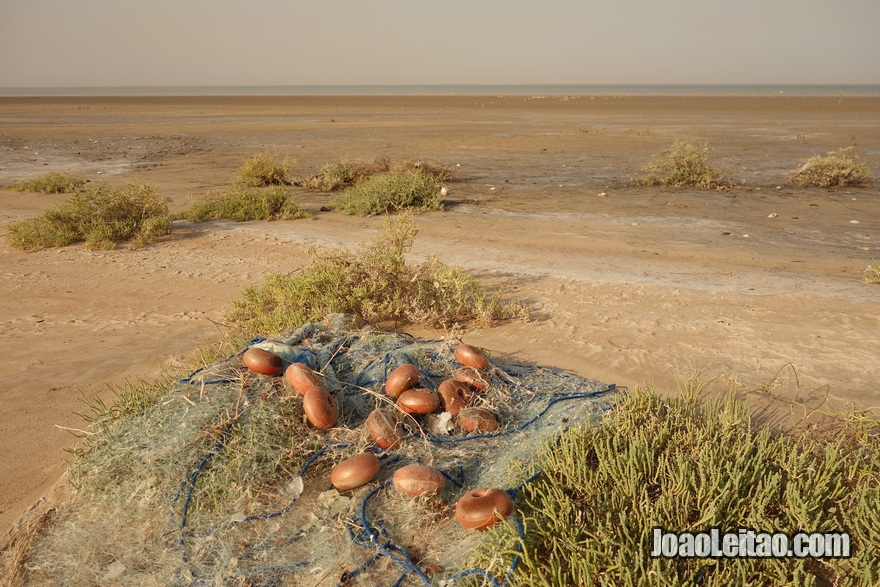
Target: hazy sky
column 311, row 42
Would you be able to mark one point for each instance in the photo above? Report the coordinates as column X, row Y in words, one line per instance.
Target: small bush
column 375, row 284
column 346, row 173
column 263, row 170
column 101, row 216
column 841, row 168
column 441, row 173
column 243, row 204
column 51, row 183
column 152, row 229
column 684, row 165
column 391, row 192
column 872, row 273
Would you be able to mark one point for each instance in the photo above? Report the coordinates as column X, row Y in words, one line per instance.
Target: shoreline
column 462, row 90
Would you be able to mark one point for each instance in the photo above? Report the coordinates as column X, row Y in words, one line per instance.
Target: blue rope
column 370, row 539
column 456, row 482
column 553, row 401
column 191, row 483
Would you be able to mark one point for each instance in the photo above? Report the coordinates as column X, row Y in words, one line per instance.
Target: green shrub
column 684, row 465
column 684, row 165
column 346, row 173
column 101, row 216
column 375, row 284
column 263, row 170
column 51, row 183
column 438, row 171
column 872, row 273
column 391, row 192
column 242, row 204
column 841, row 168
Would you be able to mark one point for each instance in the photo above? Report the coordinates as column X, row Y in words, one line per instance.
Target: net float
column 454, row 396
column 403, row 378
column 302, row 379
column 483, row 507
column 418, row 401
column 418, row 480
column 262, row 361
column 385, row 428
column 477, row 420
column 472, row 377
column 470, row 356
column 355, row 471
column 320, row 409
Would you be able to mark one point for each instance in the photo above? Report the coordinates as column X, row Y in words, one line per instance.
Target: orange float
column 355, row 471
column 418, row 480
column 403, row 378
column 418, row 401
column 302, row 379
column 263, row 362
column 385, row 428
column 470, row 356
column 453, row 395
column 477, row 420
column 481, row 508
column 320, row 409
column 472, row 377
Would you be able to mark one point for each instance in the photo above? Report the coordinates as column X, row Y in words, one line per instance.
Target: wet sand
column 627, row 284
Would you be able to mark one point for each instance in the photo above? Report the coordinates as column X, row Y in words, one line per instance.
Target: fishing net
column 222, row 481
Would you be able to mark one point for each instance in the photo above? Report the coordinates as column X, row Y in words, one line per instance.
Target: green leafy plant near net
column 101, row 216
column 687, row 466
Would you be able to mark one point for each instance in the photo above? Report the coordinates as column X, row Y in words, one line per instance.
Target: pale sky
column 76, row 43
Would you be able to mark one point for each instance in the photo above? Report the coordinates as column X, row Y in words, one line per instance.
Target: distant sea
column 457, row 90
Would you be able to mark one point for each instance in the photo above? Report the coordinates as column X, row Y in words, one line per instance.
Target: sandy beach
column 759, row 285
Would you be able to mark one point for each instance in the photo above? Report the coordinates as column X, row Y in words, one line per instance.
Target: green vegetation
column 346, row 173
column 101, row 216
column 51, row 183
column 684, row 465
column 686, row 164
column 841, row 168
column 375, row 284
column 872, row 273
column 241, row 204
column 391, row 191
column 263, row 170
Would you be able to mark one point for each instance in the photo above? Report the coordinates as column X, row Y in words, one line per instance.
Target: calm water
column 460, row 90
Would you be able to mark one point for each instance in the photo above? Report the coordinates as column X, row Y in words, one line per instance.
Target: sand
column 760, row 285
